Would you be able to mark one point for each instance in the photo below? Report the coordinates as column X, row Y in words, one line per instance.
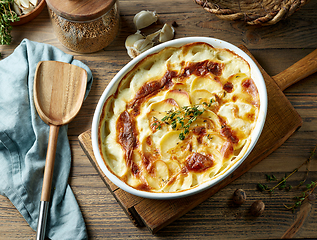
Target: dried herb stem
column 304, row 195
column 282, row 183
column 312, row 154
column 283, row 180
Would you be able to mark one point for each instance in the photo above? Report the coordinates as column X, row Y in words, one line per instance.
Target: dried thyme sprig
column 182, row 118
column 282, row 183
column 312, row 154
column 304, row 195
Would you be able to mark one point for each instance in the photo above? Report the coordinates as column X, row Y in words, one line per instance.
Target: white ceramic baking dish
column 112, row 87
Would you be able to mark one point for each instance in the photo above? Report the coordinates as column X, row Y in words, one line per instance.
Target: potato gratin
column 179, row 118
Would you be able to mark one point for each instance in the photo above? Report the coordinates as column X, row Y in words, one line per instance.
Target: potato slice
column 206, row 83
column 161, row 170
column 209, row 117
column 169, row 142
column 158, row 110
column 164, row 106
column 180, row 96
column 200, row 96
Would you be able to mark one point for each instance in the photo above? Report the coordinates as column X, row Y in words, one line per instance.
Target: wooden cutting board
column 281, row 122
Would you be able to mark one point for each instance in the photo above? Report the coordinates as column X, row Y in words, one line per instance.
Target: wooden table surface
column 275, row 48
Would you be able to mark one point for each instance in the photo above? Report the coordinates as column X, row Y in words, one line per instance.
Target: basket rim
column 284, row 10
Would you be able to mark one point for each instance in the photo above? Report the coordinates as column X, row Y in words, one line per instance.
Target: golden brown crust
column 179, row 118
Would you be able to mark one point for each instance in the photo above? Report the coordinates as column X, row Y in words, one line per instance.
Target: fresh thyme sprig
column 182, row 118
column 7, row 15
column 282, row 183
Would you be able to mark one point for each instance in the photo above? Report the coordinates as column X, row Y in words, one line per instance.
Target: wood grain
column 80, row 10
column 282, row 120
column 275, row 47
column 301, row 69
column 298, row 223
column 59, row 91
column 49, row 164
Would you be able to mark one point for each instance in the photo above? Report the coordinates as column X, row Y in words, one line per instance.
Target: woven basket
column 253, row 12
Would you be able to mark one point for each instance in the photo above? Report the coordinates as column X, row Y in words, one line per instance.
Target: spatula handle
column 49, row 164
column 298, row 71
column 47, row 181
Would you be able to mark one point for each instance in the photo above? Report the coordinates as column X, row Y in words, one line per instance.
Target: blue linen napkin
column 23, row 144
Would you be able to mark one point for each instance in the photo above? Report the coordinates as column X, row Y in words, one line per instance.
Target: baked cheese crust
column 179, row 118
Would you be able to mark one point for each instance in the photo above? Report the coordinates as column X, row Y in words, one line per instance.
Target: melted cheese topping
column 148, row 153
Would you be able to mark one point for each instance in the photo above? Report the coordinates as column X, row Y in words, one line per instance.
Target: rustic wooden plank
column 192, row 20
column 214, row 216
column 275, row 47
column 282, row 120
column 18, row 227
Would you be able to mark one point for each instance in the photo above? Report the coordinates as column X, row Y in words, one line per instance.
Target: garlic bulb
column 167, row 33
column 144, row 19
column 137, row 43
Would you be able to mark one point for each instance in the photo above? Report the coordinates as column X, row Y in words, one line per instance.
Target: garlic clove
column 132, row 52
column 17, row 9
column 33, row 2
column 144, row 19
column 142, row 45
column 152, row 36
column 129, row 44
column 24, row 3
column 27, row 10
column 167, row 33
column 24, row 6
column 132, row 42
column 137, row 43
column 133, row 38
column 145, row 44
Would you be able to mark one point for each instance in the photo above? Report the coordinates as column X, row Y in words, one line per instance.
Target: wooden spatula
column 59, row 90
